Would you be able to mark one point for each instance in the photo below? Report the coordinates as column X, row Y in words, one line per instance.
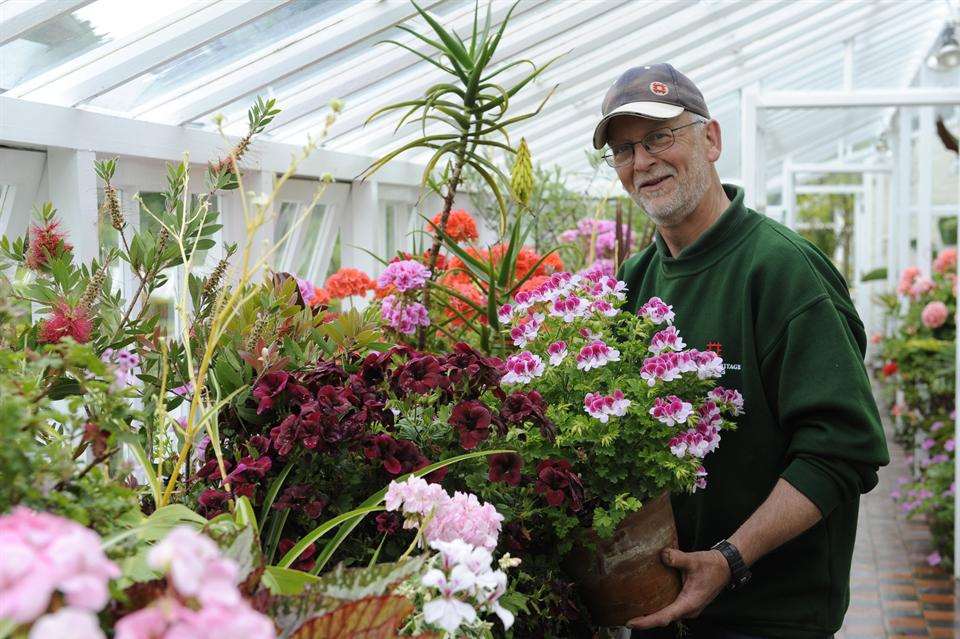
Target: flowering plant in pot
column 624, row 415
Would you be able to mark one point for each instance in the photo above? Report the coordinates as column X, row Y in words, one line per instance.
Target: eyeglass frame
column 633, row 145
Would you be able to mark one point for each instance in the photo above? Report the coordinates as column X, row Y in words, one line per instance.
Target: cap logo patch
column 659, row 88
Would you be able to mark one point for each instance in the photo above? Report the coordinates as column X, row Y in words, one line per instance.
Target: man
column 765, row 550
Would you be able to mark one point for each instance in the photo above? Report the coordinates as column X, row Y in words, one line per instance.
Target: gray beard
column 684, row 199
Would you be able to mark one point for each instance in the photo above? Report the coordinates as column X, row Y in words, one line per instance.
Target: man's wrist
column 739, row 573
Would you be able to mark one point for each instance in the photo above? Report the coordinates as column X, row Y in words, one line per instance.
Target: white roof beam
column 592, row 77
column 115, row 63
column 268, row 65
column 751, row 70
column 860, row 98
column 515, row 42
column 378, row 66
column 34, row 124
column 16, row 18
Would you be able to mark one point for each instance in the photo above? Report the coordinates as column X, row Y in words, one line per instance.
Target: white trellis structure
column 801, row 89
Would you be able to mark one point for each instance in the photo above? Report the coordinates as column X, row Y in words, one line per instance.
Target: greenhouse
column 324, row 319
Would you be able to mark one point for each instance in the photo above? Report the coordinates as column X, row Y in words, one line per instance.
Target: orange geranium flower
column 347, row 282
column 470, row 291
column 461, row 227
column 320, row 297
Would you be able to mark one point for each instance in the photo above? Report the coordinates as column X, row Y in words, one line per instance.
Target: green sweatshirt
column 781, row 317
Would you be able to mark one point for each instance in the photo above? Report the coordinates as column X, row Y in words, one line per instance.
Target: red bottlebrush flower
column 389, row 523
column 472, row 420
column 347, row 282
column 461, row 227
column 66, row 321
column 307, row 559
column 505, row 467
column 46, row 241
column 557, row 482
column 890, row 368
column 267, row 388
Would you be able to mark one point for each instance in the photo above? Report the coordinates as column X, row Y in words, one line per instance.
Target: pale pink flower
column 934, row 315
column 671, row 410
column 876, row 338
column 522, row 368
column 934, row 558
column 557, row 352
column 922, row 285
column 667, row 340
column 195, row 567
column 123, row 362
column 907, row 278
column 604, row 308
column 404, row 275
column 946, row 261
column 596, row 354
column 414, row 496
column 41, row 554
column 949, row 445
column 657, row 311
column 74, row 623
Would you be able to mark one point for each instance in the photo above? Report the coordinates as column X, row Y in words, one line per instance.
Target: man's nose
column 642, row 161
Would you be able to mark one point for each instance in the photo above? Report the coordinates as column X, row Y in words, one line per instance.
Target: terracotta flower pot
column 624, row 577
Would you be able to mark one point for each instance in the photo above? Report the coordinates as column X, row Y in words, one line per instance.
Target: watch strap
column 739, row 573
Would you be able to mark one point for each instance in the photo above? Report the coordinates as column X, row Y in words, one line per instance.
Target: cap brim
column 649, row 110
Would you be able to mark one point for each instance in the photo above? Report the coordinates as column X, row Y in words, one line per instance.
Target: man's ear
column 714, row 142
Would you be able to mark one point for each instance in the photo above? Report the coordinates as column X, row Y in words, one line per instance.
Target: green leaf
column 158, row 524
column 320, row 531
column 274, row 490
column 133, row 442
column 286, row 581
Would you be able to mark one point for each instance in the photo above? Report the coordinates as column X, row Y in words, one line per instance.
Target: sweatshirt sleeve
column 817, row 386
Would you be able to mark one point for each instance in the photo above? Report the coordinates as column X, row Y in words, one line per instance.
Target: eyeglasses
column 657, row 141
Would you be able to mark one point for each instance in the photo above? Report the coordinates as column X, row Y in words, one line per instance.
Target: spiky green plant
column 470, row 109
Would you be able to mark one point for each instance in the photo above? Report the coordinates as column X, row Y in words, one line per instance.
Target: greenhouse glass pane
column 72, row 34
column 308, row 239
column 258, row 35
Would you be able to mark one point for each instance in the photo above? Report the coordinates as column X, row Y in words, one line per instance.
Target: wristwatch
column 739, row 573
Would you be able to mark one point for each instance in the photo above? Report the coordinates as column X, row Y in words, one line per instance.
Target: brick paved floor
column 893, row 592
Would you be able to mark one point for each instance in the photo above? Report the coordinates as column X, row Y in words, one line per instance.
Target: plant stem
column 452, row 184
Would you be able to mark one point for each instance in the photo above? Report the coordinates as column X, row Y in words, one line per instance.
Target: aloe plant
column 470, row 111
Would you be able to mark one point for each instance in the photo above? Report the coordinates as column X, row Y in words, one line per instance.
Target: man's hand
column 705, row 574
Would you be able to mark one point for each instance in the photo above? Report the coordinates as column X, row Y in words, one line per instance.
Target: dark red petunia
column 505, row 467
column 389, row 523
column 213, row 502
column 421, row 375
column 267, row 388
column 306, row 561
column 472, row 420
column 520, row 407
column 557, row 482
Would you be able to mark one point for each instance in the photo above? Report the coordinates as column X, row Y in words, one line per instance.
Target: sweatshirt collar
column 733, row 225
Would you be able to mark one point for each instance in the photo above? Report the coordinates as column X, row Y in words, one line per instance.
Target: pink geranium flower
column 671, row 410
column 596, row 354
column 522, row 368
column 934, row 315
column 657, row 311
column 603, row 407
column 404, row 275
column 667, row 340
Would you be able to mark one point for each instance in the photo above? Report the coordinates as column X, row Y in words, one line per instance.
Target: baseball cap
column 654, row 91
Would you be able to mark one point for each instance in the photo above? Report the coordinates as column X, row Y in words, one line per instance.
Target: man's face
column 670, row 184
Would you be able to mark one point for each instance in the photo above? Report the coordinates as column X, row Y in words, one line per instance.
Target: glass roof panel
column 69, row 35
column 258, row 34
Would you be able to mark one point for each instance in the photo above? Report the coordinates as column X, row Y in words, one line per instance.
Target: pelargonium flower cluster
column 671, row 410
column 596, row 354
column 208, row 601
column 669, row 366
column 522, row 368
column 442, row 517
column 404, row 275
column 604, row 406
column 466, row 583
column 667, row 340
column 42, row 555
column 403, row 316
column 602, row 233
column 657, row 311
column 728, row 398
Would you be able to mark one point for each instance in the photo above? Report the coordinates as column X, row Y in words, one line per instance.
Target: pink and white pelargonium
column 671, row 410
column 557, row 352
column 657, row 311
column 603, row 407
column 526, row 331
column 522, row 368
column 596, row 354
column 42, row 555
column 729, row 398
column 667, row 340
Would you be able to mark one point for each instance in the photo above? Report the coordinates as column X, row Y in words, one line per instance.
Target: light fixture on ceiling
column 946, row 53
